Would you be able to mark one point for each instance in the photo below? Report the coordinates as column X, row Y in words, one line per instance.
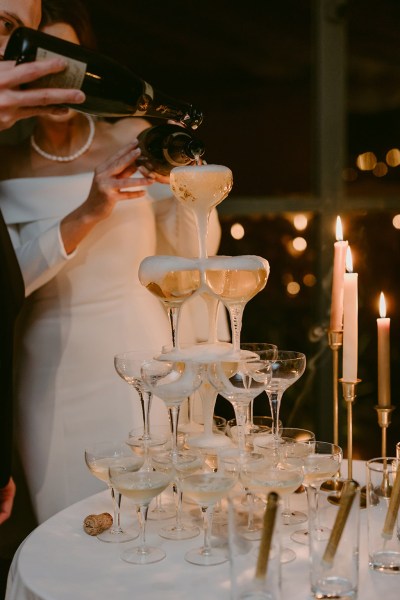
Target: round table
column 59, row 561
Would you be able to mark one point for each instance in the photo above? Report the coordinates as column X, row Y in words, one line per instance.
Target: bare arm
column 7, row 494
column 18, row 104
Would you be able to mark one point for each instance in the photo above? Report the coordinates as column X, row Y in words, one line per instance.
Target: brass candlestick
column 384, row 420
column 335, row 340
column 349, row 395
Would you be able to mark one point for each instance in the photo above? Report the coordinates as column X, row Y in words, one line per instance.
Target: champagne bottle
column 166, row 146
column 112, row 89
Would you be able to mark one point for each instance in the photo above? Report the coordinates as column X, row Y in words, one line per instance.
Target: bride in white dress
column 80, row 241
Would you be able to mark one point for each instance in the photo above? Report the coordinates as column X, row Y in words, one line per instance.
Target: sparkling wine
column 112, row 90
column 100, row 467
column 200, row 188
column 318, row 467
column 167, row 146
column 207, row 488
column 172, row 279
column 236, row 279
column 141, row 487
column 262, row 481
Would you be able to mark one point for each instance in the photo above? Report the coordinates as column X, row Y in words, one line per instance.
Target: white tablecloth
column 58, row 561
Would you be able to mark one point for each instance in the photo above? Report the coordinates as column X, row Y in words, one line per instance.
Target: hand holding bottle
column 16, row 104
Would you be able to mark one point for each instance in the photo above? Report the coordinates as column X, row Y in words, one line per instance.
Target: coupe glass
column 173, row 382
column 287, row 367
column 99, row 458
column 231, row 461
column 240, row 381
column 209, row 438
column 201, row 188
column 251, row 427
column 128, row 366
column 283, row 478
column 234, row 280
column 141, row 487
column 178, row 466
column 206, row 489
column 321, row 461
column 172, row 279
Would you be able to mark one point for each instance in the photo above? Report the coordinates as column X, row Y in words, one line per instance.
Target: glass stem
column 202, row 231
column 146, row 414
column 286, row 509
column 236, row 314
column 179, row 498
column 212, row 310
column 116, row 500
column 207, row 512
column 241, row 416
column 173, row 412
column 142, row 518
column 250, row 516
column 173, row 317
column 275, row 403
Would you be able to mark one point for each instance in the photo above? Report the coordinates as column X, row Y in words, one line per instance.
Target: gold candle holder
column 384, row 420
column 335, row 340
column 349, row 395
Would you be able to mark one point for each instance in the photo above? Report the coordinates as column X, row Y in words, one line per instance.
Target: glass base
column 215, row 556
column 385, row 561
column 334, row 587
column 138, row 441
column 185, row 532
column 300, row 536
column 251, row 533
column 294, row 517
column 142, row 555
column 118, row 537
column 287, row 555
column 167, row 510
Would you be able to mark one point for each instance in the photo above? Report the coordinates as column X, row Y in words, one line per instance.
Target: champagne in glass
column 201, row 188
column 321, row 461
column 140, row 487
column 206, row 489
column 99, row 458
column 172, row 279
column 240, row 380
column 235, row 280
column 128, row 366
column 287, row 368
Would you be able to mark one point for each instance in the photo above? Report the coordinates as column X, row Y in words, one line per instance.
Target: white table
column 58, row 561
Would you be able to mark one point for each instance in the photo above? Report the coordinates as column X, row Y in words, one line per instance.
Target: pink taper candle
column 384, row 400
column 339, row 262
column 350, row 322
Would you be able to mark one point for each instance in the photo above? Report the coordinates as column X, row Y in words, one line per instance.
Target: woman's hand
column 16, row 104
column 112, row 183
column 153, row 175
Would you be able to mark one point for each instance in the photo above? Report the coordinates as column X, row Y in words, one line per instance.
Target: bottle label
column 145, row 101
column 72, row 76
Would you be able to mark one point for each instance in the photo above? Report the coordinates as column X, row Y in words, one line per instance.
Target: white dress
column 80, row 311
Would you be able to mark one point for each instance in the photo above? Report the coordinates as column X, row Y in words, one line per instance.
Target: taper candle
column 383, row 324
column 339, row 267
column 350, row 322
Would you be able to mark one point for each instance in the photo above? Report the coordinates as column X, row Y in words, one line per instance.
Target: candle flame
column 382, row 305
column 349, row 261
column 339, row 229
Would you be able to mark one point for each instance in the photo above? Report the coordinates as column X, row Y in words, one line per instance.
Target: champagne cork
column 267, row 533
column 393, row 508
column 95, row 524
column 345, row 503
